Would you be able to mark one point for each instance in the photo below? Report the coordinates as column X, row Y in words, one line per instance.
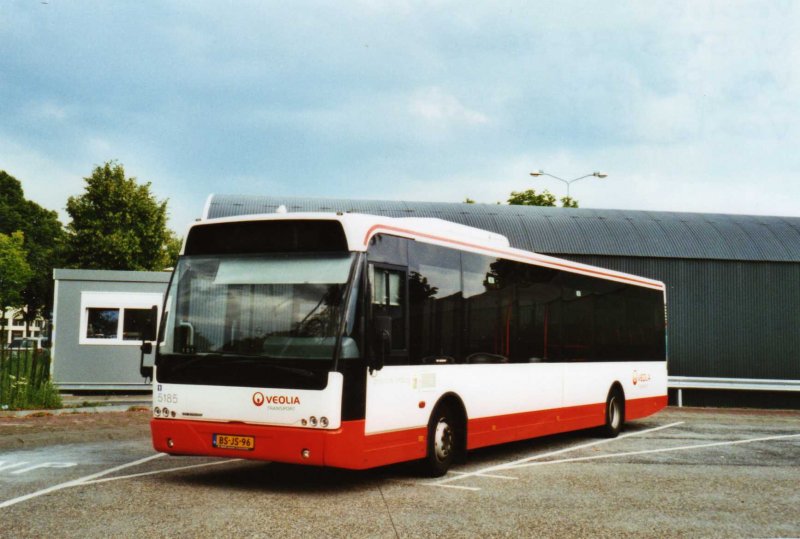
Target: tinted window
column 434, row 292
column 465, row 307
column 389, row 300
column 388, row 249
column 136, row 322
column 102, row 323
column 252, row 237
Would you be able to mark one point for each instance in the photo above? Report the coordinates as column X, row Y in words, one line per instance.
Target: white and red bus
column 356, row 341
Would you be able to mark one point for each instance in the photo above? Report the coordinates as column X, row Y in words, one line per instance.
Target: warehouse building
column 733, row 281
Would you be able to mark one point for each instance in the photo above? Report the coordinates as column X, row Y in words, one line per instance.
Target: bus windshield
column 274, row 306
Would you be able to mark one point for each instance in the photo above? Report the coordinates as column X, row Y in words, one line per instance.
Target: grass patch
column 138, row 408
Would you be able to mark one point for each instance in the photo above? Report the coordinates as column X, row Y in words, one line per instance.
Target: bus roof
column 361, row 228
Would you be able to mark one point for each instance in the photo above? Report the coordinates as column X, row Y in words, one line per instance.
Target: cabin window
column 116, row 318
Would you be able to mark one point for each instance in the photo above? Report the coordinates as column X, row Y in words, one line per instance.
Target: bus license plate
column 226, row 441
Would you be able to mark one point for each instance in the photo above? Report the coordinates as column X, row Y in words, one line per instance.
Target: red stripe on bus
column 376, row 228
column 349, row 446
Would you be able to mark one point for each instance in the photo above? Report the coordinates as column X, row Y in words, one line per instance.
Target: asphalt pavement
column 680, row 473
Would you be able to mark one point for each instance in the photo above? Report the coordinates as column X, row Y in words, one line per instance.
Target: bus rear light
column 170, row 443
column 305, row 453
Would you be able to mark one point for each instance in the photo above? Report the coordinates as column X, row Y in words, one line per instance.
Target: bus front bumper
column 345, row 447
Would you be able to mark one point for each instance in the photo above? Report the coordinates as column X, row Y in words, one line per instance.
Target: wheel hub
column 443, row 440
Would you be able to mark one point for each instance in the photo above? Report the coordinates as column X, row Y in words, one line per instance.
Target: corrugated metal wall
column 726, row 318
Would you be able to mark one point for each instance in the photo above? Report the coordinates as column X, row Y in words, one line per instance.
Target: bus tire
column 443, row 439
column 615, row 413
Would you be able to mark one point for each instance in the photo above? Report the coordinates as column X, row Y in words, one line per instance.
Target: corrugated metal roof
column 573, row 231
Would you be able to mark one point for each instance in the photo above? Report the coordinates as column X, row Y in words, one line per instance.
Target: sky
column 687, row 106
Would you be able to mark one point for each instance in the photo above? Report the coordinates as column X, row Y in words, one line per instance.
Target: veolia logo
column 642, row 377
column 258, row 398
column 283, row 399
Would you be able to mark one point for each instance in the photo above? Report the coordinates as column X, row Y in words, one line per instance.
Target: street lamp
column 538, row 173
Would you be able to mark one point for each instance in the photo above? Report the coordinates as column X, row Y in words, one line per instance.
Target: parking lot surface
column 681, row 473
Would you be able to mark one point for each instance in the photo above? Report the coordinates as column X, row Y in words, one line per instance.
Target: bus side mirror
column 148, row 335
column 382, row 329
column 145, row 370
column 149, row 329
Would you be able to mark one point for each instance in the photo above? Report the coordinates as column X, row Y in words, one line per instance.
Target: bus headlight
column 157, row 411
column 313, row 421
column 323, row 422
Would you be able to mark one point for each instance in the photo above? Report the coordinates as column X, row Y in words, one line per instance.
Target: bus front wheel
column 442, row 441
column 615, row 413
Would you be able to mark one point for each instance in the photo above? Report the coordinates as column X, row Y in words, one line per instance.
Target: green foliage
column 171, row 250
column 15, row 272
column 469, row 201
column 25, row 380
column 532, row 198
column 44, row 243
column 568, row 202
column 118, row 224
column 545, row 198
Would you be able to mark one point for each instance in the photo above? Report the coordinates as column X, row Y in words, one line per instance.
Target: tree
column 568, row 202
column 171, row 250
column 118, row 224
column 44, row 243
column 14, row 275
column 545, row 198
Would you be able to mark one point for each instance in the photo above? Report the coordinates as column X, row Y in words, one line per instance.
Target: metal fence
column 24, row 373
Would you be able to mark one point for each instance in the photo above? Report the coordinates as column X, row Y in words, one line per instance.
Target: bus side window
column 389, row 299
column 434, row 304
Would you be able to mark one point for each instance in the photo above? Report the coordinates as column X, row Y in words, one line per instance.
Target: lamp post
column 538, row 173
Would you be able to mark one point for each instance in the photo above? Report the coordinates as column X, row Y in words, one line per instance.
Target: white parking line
column 76, row 482
column 155, row 472
column 41, row 465
column 663, row 450
column 449, row 486
column 517, row 463
column 491, row 476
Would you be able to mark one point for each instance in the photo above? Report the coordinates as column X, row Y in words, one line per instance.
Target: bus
column 355, row 341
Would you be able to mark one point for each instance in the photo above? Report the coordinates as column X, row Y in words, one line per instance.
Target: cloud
column 433, row 101
column 50, row 110
column 439, row 108
column 48, row 182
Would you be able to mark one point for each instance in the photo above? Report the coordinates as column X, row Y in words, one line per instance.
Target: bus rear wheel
column 443, row 438
column 615, row 413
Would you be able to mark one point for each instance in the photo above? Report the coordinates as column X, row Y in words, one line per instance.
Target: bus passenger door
column 388, row 314
column 390, row 391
